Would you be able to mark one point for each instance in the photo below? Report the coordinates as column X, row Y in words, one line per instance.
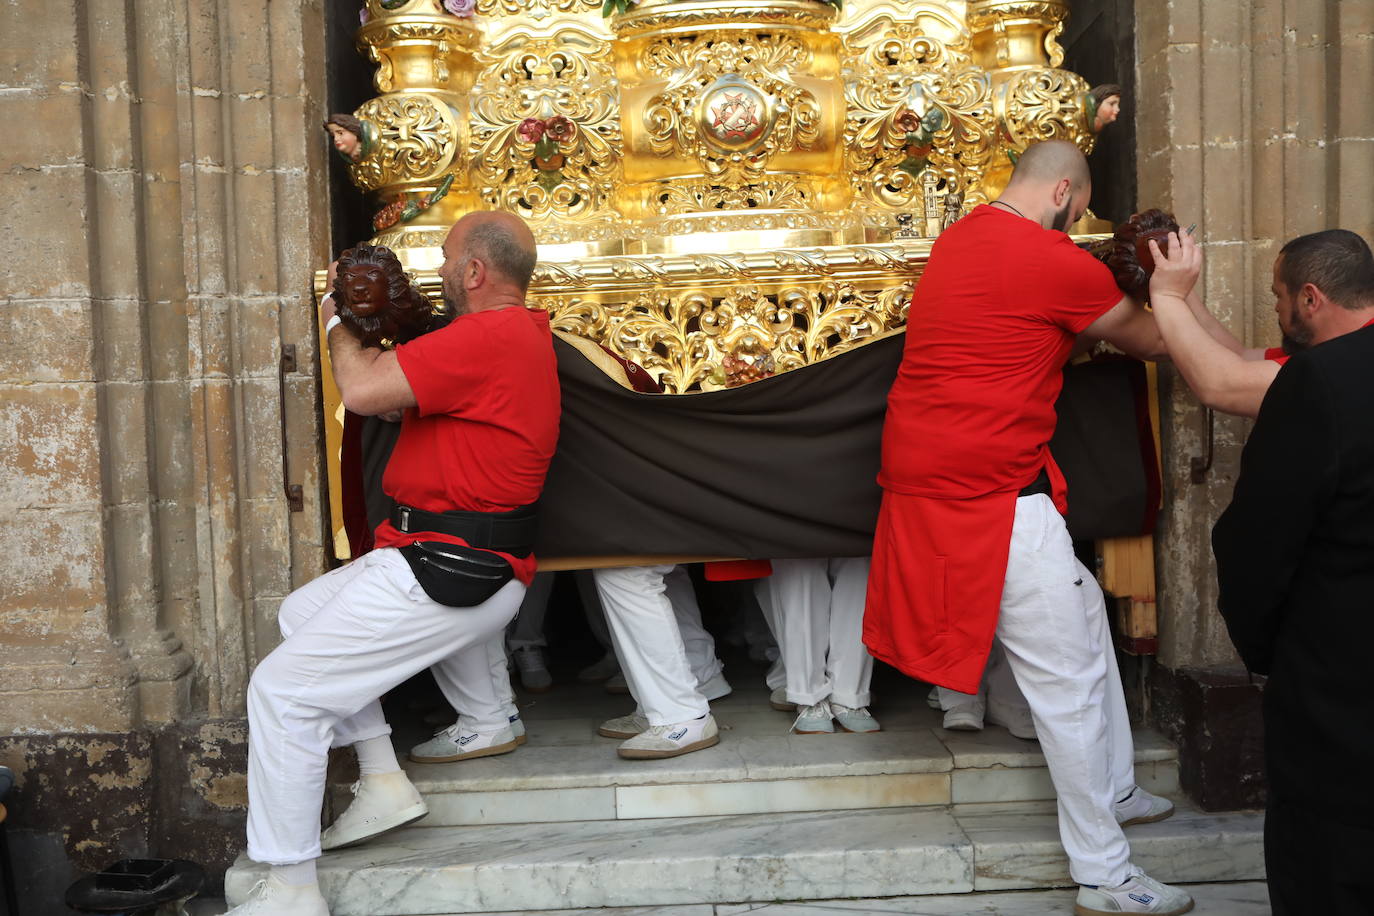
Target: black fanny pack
column 457, row 576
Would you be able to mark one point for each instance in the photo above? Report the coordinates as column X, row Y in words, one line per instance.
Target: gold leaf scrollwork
column 416, row 140
column 1043, row 104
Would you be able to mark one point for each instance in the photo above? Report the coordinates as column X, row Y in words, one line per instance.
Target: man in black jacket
column 1295, row 560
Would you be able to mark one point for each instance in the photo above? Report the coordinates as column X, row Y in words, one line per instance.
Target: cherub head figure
column 1107, row 102
column 376, row 298
column 347, row 134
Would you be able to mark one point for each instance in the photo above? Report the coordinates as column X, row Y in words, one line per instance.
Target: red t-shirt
column 486, row 422
column 992, row 322
column 1276, row 354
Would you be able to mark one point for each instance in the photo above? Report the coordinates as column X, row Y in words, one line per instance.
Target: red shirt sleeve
column 1075, row 287
column 445, row 367
column 1276, row 354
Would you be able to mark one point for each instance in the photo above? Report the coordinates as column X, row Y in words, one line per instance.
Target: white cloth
column 1053, row 625
column 482, row 707
column 776, row 676
column 819, row 611
column 350, row 636
column 648, row 640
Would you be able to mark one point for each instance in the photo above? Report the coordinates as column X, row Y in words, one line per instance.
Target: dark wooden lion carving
column 377, row 300
column 1128, row 256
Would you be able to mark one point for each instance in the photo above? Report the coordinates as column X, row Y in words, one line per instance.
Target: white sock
column 300, row 874
column 376, row 755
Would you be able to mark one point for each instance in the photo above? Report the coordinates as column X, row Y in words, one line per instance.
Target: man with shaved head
column 971, row 541
column 480, row 404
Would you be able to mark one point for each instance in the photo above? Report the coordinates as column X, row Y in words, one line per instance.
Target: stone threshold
column 888, row 852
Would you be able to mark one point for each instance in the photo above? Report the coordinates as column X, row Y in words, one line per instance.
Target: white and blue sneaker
column 855, row 718
column 459, row 743
column 517, row 727
column 659, row 741
column 623, row 727
column 1140, row 807
column 1140, row 894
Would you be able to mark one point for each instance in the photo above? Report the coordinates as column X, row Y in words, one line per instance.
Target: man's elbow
column 363, row 400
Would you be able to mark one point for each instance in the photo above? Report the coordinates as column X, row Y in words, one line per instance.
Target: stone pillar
column 164, row 193
column 1255, row 120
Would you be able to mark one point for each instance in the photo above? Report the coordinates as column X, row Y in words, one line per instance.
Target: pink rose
column 462, row 8
column 908, row 122
column 363, row 15
column 531, row 130
column 561, row 128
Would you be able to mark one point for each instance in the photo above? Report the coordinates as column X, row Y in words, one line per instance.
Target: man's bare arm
column 370, row 381
column 1129, row 328
column 1222, row 378
column 1218, row 331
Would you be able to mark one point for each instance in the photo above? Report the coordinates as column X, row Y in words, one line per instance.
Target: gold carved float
column 721, row 190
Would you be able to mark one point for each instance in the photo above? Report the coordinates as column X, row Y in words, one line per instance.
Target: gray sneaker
column 456, row 743
column 1140, row 894
column 1140, row 807
column 624, row 726
column 855, row 718
column 814, row 720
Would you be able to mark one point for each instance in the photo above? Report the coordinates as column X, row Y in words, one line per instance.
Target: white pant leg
column 476, row 683
column 999, row 684
column 528, row 629
column 337, row 661
column 801, row 590
column 849, row 667
column 763, row 593
column 1053, row 625
column 645, row 631
column 699, row 644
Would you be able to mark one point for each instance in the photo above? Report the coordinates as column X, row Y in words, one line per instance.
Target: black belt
column 509, row 532
column 1041, row 484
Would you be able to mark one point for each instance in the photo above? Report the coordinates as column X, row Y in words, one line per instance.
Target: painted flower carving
column 461, row 8
column 531, row 130
column 561, row 129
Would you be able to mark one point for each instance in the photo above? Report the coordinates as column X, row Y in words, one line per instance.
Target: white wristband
column 331, row 324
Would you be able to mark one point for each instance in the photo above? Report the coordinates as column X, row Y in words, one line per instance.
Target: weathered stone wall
column 163, row 184
column 1256, row 120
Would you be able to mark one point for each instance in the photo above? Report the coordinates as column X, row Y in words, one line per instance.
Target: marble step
column 882, row 852
column 756, row 774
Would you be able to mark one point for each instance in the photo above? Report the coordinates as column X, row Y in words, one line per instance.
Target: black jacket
column 1295, row 561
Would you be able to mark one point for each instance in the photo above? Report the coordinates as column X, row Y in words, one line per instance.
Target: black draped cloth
column 787, row 466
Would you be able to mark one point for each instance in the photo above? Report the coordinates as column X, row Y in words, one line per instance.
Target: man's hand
column 1175, row 273
column 327, row 308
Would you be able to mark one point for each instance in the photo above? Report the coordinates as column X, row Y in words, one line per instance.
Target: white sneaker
column 1015, row 719
column 817, row 719
column 778, row 700
column 381, row 802
column 617, row 684
column 624, row 726
column 855, row 718
column 1140, row 894
column 534, row 674
column 933, row 699
column 459, row 743
column 966, row 717
column 1140, row 807
column 595, row 673
column 716, row 688
column 658, row 741
column 273, row 897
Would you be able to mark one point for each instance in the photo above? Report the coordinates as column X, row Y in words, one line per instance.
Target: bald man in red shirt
column 971, row 539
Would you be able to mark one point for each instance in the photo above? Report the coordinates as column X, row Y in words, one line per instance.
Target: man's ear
column 475, row 275
column 1311, row 299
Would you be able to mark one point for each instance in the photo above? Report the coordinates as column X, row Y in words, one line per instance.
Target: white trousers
column 818, row 617
column 350, row 636
column 489, row 708
column 528, row 629
column 1053, row 625
column 653, row 620
column 776, row 676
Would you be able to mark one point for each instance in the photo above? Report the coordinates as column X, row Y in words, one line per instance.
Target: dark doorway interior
column 349, row 78
column 1099, row 45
